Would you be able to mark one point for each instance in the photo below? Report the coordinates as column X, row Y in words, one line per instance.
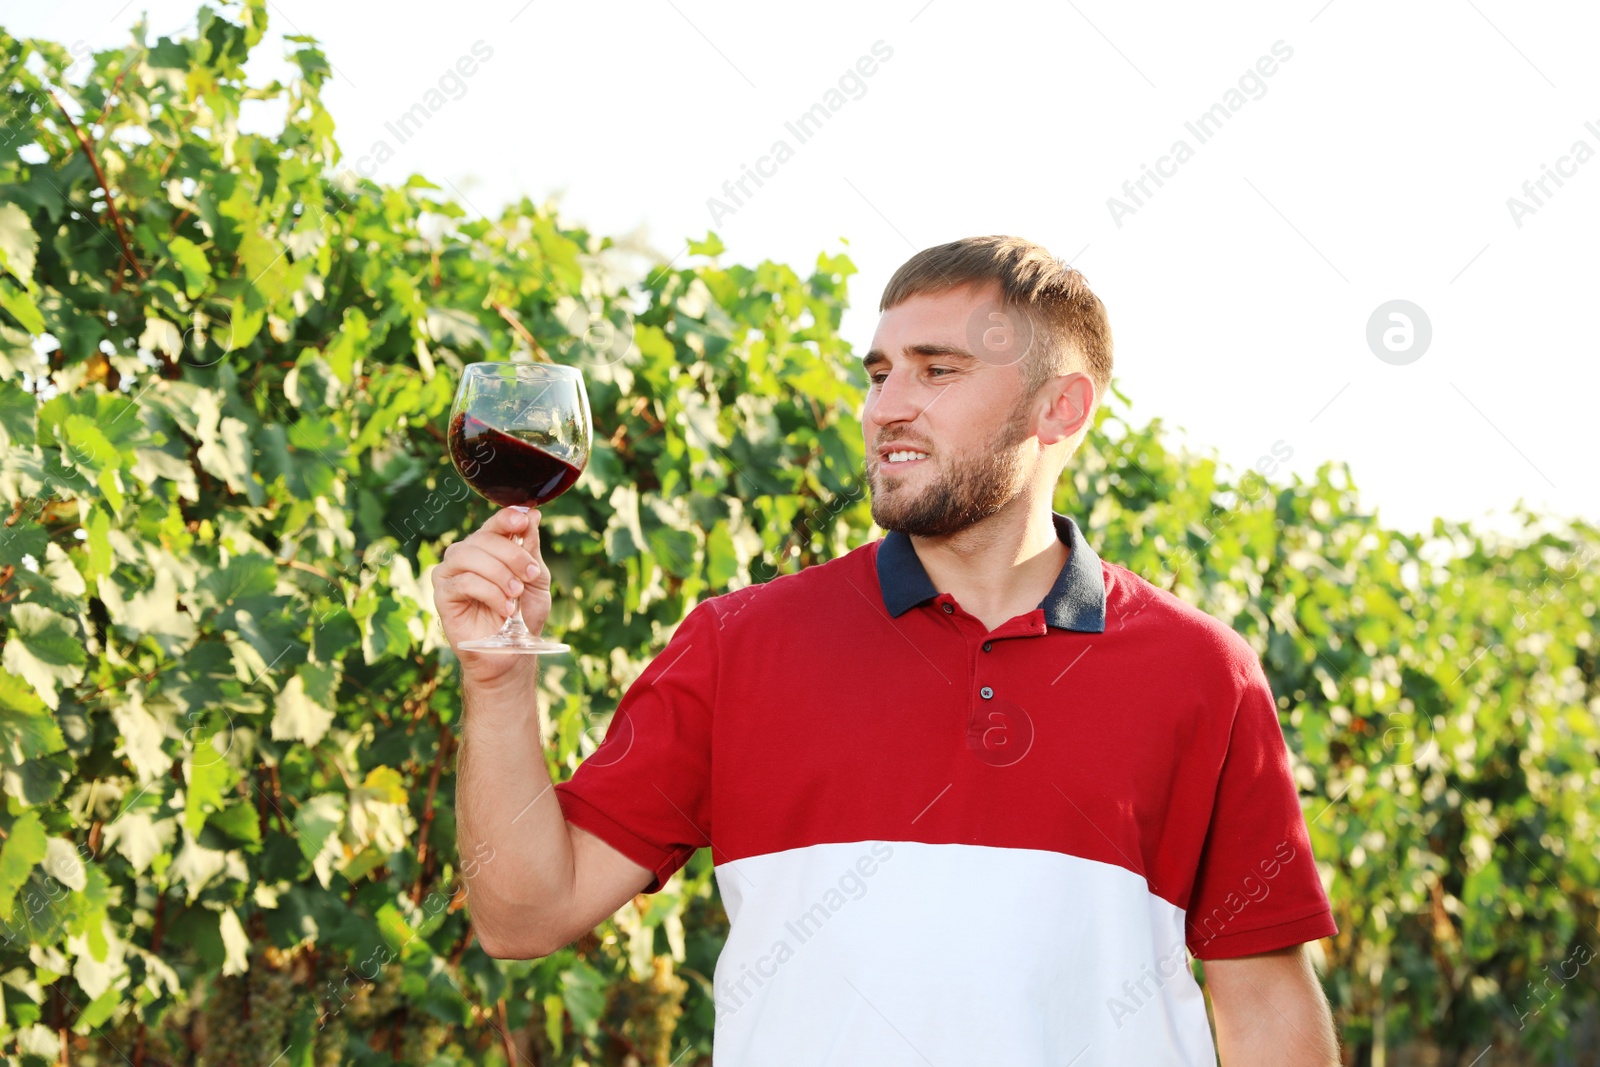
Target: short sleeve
column 1257, row 888
column 646, row 790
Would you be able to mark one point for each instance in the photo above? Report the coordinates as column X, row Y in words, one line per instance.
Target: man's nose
column 897, row 401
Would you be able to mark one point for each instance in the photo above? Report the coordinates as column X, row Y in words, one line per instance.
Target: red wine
column 507, row 470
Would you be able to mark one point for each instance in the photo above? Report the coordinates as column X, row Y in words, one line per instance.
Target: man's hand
column 479, row 581
column 1270, row 1009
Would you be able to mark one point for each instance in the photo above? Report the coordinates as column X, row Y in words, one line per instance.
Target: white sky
column 1376, row 166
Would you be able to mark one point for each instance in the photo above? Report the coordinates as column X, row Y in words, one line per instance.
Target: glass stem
column 514, row 626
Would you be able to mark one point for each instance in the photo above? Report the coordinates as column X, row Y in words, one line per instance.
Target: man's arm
column 536, row 883
column 533, row 882
column 1270, row 1009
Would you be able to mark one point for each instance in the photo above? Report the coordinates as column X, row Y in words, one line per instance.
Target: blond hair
column 1066, row 317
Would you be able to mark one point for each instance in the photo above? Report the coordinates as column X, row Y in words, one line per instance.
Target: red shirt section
column 802, row 712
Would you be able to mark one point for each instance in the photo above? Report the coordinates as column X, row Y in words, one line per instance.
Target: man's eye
column 941, row 370
column 877, row 379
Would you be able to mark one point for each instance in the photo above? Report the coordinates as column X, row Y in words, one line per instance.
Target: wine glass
column 519, row 436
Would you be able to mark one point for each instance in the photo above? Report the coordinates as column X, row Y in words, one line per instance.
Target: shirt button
column 986, row 646
column 986, row 692
column 949, row 609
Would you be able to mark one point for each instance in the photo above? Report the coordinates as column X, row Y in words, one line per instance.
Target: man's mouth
column 901, row 457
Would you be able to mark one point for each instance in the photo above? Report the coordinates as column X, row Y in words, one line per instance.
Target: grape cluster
column 377, row 1000
column 246, row 1018
column 651, row 1009
column 351, row 1005
column 113, row 1043
column 225, row 1040
column 421, row 1041
column 330, row 1044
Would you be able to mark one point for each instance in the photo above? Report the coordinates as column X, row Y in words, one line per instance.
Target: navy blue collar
column 1077, row 601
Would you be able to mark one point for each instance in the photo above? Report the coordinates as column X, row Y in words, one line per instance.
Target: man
column 973, row 794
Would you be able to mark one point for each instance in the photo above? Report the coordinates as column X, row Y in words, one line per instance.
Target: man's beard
column 965, row 492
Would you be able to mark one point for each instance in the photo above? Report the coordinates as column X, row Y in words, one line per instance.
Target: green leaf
column 161, row 336
column 312, row 63
column 97, row 530
column 385, row 784
column 17, row 411
column 86, row 446
column 244, row 576
column 265, row 264
column 443, row 1000
column 23, row 539
column 674, row 549
column 344, row 352
column 196, row 866
column 57, row 584
column 722, row 560
column 240, row 327
column 21, row 307
column 170, row 54
column 210, row 778
column 63, row 863
column 142, row 736
column 711, row 246
column 18, row 242
column 239, row 821
column 387, row 633
column 455, row 329
column 317, row 820
column 397, row 933
column 140, row 837
column 110, row 486
column 624, row 537
column 38, row 781
column 27, row 730
column 30, row 770
column 23, row 850
column 235, row 943
column 227, row 454
column 97, row 1011
column 192, row 261
column 365, row 862
column 152, row 612
column 583, row 993
column 45, row 649
column 304, row 708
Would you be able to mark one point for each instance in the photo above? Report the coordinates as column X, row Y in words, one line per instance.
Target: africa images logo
column 1146, row 988
column 735, row 992
column 1203, row 128
column 804, row 127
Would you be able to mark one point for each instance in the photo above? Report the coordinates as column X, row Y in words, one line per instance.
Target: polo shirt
column 943, row 844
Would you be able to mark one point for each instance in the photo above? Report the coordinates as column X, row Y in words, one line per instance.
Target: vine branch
column 445, row 745
column 105, row 186
column 522, row 331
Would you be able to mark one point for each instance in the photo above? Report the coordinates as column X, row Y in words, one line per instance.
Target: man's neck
column 1002, row 567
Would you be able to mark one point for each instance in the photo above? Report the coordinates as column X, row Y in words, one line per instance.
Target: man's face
column 946, row 385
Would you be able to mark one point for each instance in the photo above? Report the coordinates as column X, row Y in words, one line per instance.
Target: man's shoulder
column 1137, row 605
column 779, row 598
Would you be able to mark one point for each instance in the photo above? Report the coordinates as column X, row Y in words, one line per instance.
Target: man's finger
column 495, row 564
column 515, row 557
column 480, row 589
column 509, row 521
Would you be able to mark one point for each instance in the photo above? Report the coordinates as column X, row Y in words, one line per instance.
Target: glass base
column 515, row 643
column 515, row 637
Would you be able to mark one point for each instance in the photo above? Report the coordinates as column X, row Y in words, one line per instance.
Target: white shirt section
column 899, row 952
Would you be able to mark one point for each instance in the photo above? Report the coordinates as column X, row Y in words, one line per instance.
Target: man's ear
column 1071, row 400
